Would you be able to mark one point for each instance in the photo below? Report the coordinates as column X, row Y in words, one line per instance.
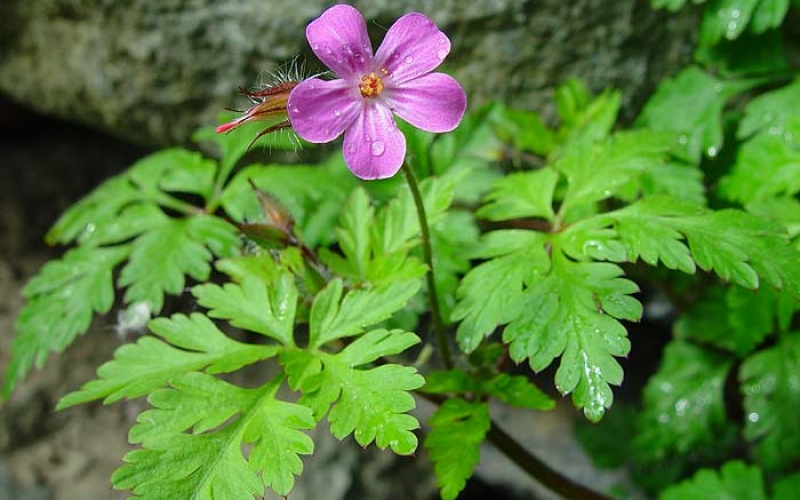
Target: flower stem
column 427, row 255
column 539, row 470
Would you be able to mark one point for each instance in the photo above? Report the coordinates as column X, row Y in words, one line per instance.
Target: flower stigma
column 371, row 85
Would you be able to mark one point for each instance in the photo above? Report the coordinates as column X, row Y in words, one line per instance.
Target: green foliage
column 512, row 390
column 684, row 407
column 369, row 403
column 62, row 299
column 458, row 428
column 187, row 343
column 771, row 396
column 734, row 480
column 540, row 239
column 207, row 462
column 690, row 104
column 243, row 305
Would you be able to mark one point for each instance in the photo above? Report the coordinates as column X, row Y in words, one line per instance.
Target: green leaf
column 518, row 391
column 737, row 246
column 62, row 300
column 353, row 231
column 768, row 15
column 127, row 205
column 491, row 293
column 260, row 265
column 572, row 97
column 588, row 120
column 734, row 319
column 189, row 344
column 750, row 54
column 734, row 480
column 98, row 209
column 397, row 225
column 785, row 210
column 771, row 110
column 684, row 407
column 371, row 404
column 452, row 238
column 314, row 195
column 768, row 165
column 453, row 381
column 333, row 317
column 726, row 19
column 524, row 130
column 682, row 181
column 570, row 312
column 654, row 240
column 267, row 308
column 690, row 104
column 598, row 171
column 208, row 462
column 458, row 428
column 191, row 173
column 521, row 195
column 787, row 488
column 161, row 257
column 771, row 399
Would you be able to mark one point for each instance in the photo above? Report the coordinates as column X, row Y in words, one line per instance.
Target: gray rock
column 153, row 72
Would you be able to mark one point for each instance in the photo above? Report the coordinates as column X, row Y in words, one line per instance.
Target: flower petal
column 412, row 47
column 434, row 102
column 339, row 39
column 373, row 147
column 320, row 110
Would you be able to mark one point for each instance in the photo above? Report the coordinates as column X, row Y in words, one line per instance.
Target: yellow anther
column 371, row 85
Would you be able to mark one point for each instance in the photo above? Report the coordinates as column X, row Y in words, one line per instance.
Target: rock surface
column 153, row 72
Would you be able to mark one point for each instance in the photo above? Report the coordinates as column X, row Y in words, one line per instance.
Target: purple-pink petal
column 412, row 47
column 373, row 147
column 320, row 110
column 434, row 102
column 339, row 39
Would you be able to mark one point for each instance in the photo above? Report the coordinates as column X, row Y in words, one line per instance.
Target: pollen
column 371, row 85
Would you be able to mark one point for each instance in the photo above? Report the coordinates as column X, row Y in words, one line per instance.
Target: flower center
column 371, row 85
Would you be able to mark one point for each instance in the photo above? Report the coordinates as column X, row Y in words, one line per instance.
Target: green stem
column 427, row 254
column 539, row 470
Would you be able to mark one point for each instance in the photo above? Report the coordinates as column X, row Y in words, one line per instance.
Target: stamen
column 371, row 85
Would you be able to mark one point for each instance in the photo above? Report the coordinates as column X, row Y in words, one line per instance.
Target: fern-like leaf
column 207, row 462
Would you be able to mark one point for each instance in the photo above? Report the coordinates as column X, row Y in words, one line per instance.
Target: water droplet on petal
column 351, row 147
column 314, row 46
column 409, row 59
column 377, row 148
column 336, row 112
column 442, row 54
column 328, row 50
column 442, row 41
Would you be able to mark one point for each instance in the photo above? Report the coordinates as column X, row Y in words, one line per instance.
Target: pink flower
column 397, row 79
